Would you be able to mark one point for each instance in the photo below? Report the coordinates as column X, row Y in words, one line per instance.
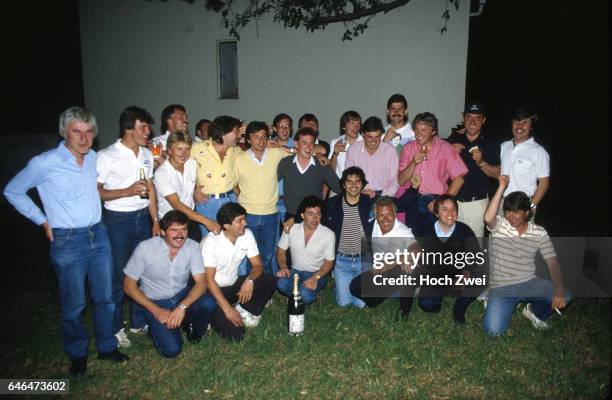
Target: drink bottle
column 295, row 310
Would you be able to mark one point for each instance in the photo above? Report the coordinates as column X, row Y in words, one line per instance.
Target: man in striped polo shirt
column 515, row 242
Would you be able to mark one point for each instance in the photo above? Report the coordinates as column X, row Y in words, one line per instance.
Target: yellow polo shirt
column 258, row 181
column 215, row 176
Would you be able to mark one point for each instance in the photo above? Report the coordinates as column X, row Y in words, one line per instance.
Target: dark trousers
column 364, row 288
column 263, row 289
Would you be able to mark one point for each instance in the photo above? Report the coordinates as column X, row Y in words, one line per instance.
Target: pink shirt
column 443, row 163
column 380, row 168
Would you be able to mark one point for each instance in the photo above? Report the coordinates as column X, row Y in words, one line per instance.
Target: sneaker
column 140, row 331
column 122, row 339
column 535, row 321
column 114, row 356
column 248, row 319
column 484, row 296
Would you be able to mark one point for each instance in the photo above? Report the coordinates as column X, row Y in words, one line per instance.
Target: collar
column 440, row 233
column 67, row 156
column 526, row 143
column 377, row 232
column 295, row 161
column 251, row 154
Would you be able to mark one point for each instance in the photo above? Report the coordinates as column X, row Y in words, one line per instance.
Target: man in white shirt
column 388, row 236
column 397, row 117
column 130, row 205
column 312, row 252
column 525, row 161
column 175, row 182
column 240, row 299
column 350, row 125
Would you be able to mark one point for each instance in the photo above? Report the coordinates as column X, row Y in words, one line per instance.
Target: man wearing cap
column 481, row 157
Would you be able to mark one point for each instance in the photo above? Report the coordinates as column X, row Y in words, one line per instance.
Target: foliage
column 311, row 15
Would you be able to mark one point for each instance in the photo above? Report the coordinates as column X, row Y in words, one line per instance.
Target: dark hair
column 347, row 116
column 200, row 123
column 353, row 171
column 372, row 124
column 220, row 126
column 255, row 126
column 228, row 212
column 397, row 98
column 441, row 199
column 426, row 118
column 522, row 113
column 280, row 117
column 128, row 117
column 310, row 202
column 173, row 217
column 385, row 201
column 308, row 118
column 518, row 201
column 167, row 113
column 304, row 132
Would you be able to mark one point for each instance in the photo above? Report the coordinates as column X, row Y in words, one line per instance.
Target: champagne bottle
column 295, row 310
column 143, row 177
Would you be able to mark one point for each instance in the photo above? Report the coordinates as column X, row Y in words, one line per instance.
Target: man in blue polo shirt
column 65, row 178
column 481, row 156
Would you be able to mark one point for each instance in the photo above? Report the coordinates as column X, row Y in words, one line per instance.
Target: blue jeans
column 211, row 206
column 280, row 205
column 169, row 342
column 502, row 301
column 125, row 231
column 264, row 228
column 285, row 285
column 78, row 255
column 345, row 270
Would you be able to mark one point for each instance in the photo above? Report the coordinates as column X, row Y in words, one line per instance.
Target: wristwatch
column 182, row 306
column 534, row 206
column 317, row 276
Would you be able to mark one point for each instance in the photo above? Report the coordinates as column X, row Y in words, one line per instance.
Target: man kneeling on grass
column 163, row 265
column 515, row 242
column 312, row 248
column 223, row 254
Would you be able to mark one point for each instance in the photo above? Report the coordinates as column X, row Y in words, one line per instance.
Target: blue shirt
column 440, row 233
column 69, row 192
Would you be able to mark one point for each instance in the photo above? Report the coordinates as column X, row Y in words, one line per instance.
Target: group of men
column 375, row 178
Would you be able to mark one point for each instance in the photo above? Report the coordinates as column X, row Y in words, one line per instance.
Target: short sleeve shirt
column 309, row 257
column 525, row 163
column 162, row 278
column 168, row 181
column 223, row 255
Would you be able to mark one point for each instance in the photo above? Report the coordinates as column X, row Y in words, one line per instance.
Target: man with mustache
column 65, row 178
column 163, row 265
column 397, row 117
column 526, row 162
column 130, row 205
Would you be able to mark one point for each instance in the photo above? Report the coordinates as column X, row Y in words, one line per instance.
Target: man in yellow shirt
column 258, row 183
column 216, row 177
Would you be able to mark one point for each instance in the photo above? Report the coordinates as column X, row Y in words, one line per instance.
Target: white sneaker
column 535, row 321
column 484, row 296
column 122, row 339
column 140, row 331
column 269, row 303
column 248, row 319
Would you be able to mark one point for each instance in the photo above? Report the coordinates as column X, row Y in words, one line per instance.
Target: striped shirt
column 352, row 233
column 512, row 256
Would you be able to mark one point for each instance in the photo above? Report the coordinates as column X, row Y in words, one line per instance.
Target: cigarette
column 557, row 310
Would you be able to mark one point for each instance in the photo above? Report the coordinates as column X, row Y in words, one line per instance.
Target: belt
column 221, row 195
column 353, row 255
column 473, row 198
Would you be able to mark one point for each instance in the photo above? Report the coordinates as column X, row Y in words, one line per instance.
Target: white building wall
column 153, row 53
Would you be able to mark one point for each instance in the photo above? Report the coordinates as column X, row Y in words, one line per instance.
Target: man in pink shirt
column 435, row 162
column 376, row 158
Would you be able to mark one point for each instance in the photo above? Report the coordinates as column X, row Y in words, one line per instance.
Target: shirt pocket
column 524, row 166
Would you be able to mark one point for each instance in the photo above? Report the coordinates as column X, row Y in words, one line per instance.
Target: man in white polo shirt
column 525, row 161
column 130, row 205
column 241, row 299
column 175, row 181
column 312, row 252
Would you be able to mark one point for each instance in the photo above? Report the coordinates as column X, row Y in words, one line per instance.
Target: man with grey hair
column 65, row 178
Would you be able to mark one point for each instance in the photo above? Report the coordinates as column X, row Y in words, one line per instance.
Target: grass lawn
column 345, row 353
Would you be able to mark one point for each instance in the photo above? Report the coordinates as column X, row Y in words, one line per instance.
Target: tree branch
column 315, row 22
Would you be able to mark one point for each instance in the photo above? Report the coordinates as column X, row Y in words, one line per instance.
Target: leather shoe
column 114, row 356
column 459, row 319
column 78, row 366
column 192, row 336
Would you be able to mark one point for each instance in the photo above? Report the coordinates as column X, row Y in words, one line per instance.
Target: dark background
column 550, row 55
